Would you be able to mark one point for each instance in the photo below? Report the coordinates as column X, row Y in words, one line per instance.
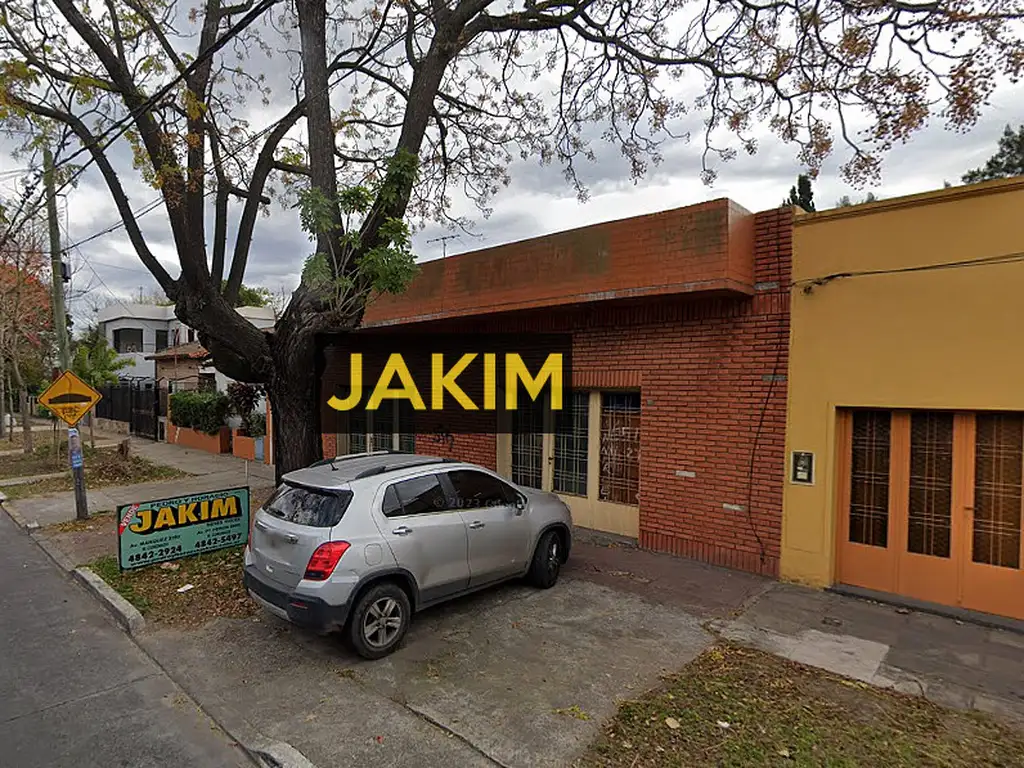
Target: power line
column 153, row 204
column 1007, row 258
column 122, row 125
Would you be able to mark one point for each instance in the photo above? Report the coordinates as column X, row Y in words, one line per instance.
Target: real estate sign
column 170, row 529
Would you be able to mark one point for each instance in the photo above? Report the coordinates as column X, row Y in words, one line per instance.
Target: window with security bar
column 571, row 427
column 528, row 445
column 405, row 430
column 869, row 478
column 382, row 429
column 388, row 428
column 358, row 426
column 930, row 512
column 620, row 448
column 998, row 468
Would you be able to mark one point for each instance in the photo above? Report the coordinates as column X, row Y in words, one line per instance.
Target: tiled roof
column 191, row 350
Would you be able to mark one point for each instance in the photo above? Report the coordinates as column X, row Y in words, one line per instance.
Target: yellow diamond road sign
column 69, row 398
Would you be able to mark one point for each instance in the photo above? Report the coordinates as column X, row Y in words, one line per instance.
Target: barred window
column 869, row 479
column 571, row 427
column 620, row 447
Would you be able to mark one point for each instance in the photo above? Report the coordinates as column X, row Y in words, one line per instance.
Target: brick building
column 674, row 432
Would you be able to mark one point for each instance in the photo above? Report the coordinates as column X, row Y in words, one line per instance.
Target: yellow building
column 905, row 432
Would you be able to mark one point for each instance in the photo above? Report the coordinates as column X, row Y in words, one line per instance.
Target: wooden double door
column 930, row 506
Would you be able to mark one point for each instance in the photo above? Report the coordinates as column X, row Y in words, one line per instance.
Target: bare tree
column 405, row 102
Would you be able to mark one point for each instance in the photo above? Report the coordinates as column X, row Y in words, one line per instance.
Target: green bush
column 243, row 398
column 256, row 424
column 202, row 411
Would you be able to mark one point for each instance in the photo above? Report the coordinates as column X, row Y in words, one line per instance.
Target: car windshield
column 308, row 506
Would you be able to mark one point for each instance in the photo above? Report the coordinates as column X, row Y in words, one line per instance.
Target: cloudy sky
column 537, row 202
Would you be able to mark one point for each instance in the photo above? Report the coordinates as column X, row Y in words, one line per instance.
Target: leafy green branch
column 387, row 265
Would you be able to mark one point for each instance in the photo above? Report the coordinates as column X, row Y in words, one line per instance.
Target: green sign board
column 170, row 529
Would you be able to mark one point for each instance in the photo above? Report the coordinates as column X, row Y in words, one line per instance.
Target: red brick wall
column 330, row 445
column 705, row 369
column 697, row 248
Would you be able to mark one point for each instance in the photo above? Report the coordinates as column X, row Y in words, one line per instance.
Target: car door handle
column 475, row 524
column 402, row 531
column 291, row 538
column 261, row 526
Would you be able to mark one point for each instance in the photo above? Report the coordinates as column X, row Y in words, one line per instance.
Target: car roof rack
column 382, row 468
column 349, row 456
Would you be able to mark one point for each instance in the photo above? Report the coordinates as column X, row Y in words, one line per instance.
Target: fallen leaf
column 380, row 739
column 672, row 723
column 783, row 752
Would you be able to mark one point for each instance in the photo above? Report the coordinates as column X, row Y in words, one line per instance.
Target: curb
column 54, row 552
column 15, row 516
column 127, row 615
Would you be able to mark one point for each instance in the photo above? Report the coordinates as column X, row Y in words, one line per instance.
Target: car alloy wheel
column 553, row 557
column 382, row 622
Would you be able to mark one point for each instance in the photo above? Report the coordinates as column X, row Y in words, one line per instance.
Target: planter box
column 219, row 442
column 243, row 447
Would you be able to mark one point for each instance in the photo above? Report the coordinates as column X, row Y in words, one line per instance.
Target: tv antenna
column 444, row 243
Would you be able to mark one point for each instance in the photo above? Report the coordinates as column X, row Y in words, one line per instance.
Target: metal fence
column 139, row 404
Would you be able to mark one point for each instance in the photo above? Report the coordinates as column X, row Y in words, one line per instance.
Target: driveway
column 512, row 676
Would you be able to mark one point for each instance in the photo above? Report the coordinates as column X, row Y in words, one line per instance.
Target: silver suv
column 359, row 543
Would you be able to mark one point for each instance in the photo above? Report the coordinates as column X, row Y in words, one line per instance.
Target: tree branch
column 124, row 209
column 264, row 165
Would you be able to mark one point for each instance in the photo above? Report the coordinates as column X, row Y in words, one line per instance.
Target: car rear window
column 308, row 506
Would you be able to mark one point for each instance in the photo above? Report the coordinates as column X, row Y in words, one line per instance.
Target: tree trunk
column 293, row 404
column 26, row 416
column 3, row 398
column 10, row 409
column 26, row 421
column 3, row 389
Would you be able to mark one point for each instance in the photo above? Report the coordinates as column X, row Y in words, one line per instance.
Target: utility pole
column 60, row 322
column 60, row 325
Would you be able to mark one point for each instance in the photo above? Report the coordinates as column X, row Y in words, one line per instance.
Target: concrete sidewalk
column 209, row 472
column 951, row 662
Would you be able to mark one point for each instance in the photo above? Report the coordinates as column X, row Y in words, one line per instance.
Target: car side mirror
column 520, row 502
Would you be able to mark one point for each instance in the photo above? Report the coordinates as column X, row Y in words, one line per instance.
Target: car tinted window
column 308, row 506
column 419, row 496
column 478, row 489
column 392, row 506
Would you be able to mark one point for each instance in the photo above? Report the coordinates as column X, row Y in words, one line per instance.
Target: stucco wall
column 947, row 338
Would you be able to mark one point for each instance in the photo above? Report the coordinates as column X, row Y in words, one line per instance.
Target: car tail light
column 324, row 560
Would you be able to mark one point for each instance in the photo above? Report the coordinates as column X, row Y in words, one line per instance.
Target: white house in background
column 138, row 331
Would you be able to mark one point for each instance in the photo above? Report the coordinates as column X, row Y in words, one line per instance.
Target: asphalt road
column 75, row 690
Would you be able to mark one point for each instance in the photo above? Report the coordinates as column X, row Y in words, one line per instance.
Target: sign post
column 78, row 472
column 69, row 399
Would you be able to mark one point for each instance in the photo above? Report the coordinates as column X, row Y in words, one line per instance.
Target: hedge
column 202, row 411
